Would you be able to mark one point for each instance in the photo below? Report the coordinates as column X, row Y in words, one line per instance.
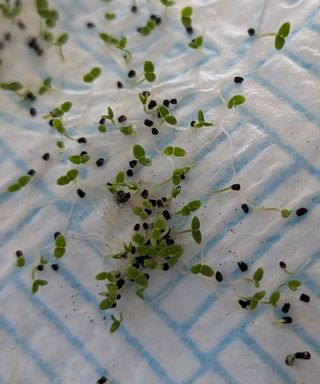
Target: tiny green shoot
column 196, row 43
column 235, row 101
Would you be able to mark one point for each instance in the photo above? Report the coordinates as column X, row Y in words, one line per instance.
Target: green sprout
column 60, row 246
column 117, row 43
column 280, row 36
column 19, row 89
column 37, row 283
column 59, row 111
column 46, row 86
column 256, row 278
column 186, row 20
column 174, row 151
column 189, row 208
column 146, row 29
column 140, row 154
column 92, row 75
column 166, row 115
column 116, row 323
column 285, row 212
column 202, row 269
column 110, row 16
column 68, row 177
column 201, row 121
column 50, row 16
column 168, row 3
column 102, row 127
column 196, row 43
column 22, row 182
column 235, row 101
column 79, row 159
column 149, row 74
column 195, row 230
column 11, row 11
column 21, row 261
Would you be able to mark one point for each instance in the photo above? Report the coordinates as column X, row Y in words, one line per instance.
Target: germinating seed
column 251, row 32
column 144, row 194
column 219, row 276
column 57, row 234
column 166, row 215
column 122, row 118
column 152, row 104
column 244, row 303
column 134, row 9
column 40, row 267
column 235, row 187
column 282, row 265
column 173, row 101
column 19, row 253
column 136, row 227
column 166, row 102
column 189, row 30
column 133, row 163
column 245, row 208
column 242, row 266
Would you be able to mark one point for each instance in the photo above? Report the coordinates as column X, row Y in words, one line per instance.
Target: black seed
column 235, row 187
column 242, row 266
column 113, row 305
column 303, row 355
column 122, row 118
column 144, row 194
column 166, row 215
column 154, row 131
column 219, row 276
column 131, row 74
column 146, row 275
column 147, row 243
column 118, row 296
column 166, row 102
column 148, row 211
column 192, row 123
column 133, row 250
column 146, row 93
column 100, row 162
column 90, row 25
column 130, row 172
column 182, row 177
column 173, row 101
column 102, row 120
column 245, row 208
column 19, row 253
column 189, row 30
column 31, row 96
column 83, row 153
column 152, row 104
column 159, row 203
column 31, row 172
column 164, row 199
column 7, row 36
column 127, row 195
column 304, row 297
column 301, row 211
column 119, row 84
column 40, row 267
column 159, row 114
column 148, row 123
column 153, row 202
column 51, row 122
column 244, row 303
column 285, row 308
column 136, row 227
column 133, row 163
column 81, row 193
column 120, row 283
column 145, row 225
column 55, row 267
column 251, row 32
column 286, row 319
column 134, row 9
column 169, row 241
column 158, row 20
column 82, row 140
column 39, row 51
column 153, row 17
column 46, row 156
column 165, row 267
column 238, row 79
column 21, row 25
column 57, row 234
column 282, row 265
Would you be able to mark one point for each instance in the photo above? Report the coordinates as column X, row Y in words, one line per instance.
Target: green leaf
column 24, row 180
column 168, row 3
column 148, row 66
column 42, row 282
column 76, row 159
column 196, row 43
column 72, row 174
column 253, row 303
column 63, row 180
column 132, row 272
column 286, row 213
column 259, row 295
column 128, row 130
column 195, row 269
column 258, row 275
column 179, row 152
column 141, row 280
column 168, row 151
column 60, row 241
column 21, row 261
column 149, row 263
column 274, row 298
column 120, row 177
column 57, row 124
column 35, row 287
column 195, row 224
column 150, row 77
column 105, row 304
column 95, row 72
column 85, row 158
column 185, row 211
column 284, row 30
column 122, row 43
column 101, row 276
column 138, row 151
column 139, row 239
column 62, row 39
column 186, row 12
column 200, row 116
column 59, row 252
column 14, row 86
column 164, row 111
column 115, row 326
column 110, row 16
column 14, row 187
column 235, row 101
column 88, row 78
column 194, row 205
column 279, row 42
column 66, row 106
column 196, row 234
column 102, row 128
column 206, row 270
column 294, row 284
column 171, row 120
column 186, row 21
column 145, row 161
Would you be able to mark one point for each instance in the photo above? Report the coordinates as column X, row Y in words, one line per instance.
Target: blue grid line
column 53, row 318
column 30, row 352
column 306, row 65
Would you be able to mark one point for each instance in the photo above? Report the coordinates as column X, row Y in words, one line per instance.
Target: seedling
column 147, row 28
column 37, row 283
column 196, row 43
column 149, row 74
column 22, row 182
column 166, row 115
column 189, row 208
column 102, row 127
column 60, row 245
column 46, row 86
column 168, row 3
column 235, row 101
column 110, row 16
column 201, row 121
column 195, row 230
column 117, row 43
column 80, row 159
column 174, row 151
column 256, row 278
column 59, row 111
column 297, row 355
column 280, row 36
column 19, row 89
column 116, row 323
column 21, row 261
column 11, row 10
column 140, row 154
column 202, row 269
column 92, row 75
column 186, row 20
column 68, row 177
column 233, row 187
column 49, row 16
